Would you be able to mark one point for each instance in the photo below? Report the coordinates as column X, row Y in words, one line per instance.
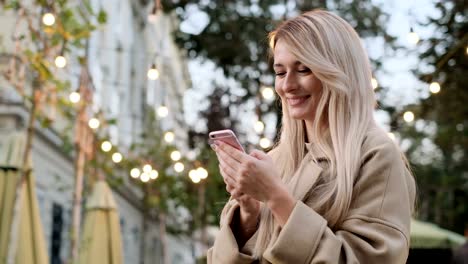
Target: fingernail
column 213, row 146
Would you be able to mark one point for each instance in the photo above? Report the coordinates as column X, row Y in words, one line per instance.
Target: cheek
column 278, row 90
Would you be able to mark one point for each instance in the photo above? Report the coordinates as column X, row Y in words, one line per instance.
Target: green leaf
column 112, row 121
column 45, row 122
column 43, row 70
column 12, row 5
column 88, row 7
column 102, row 17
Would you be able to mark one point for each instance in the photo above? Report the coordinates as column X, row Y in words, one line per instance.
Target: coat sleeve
column 376, row 229
column 225, row 249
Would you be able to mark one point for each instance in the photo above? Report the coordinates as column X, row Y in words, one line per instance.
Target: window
column 56, row 234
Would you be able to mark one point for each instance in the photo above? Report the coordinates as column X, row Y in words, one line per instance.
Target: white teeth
column 296, row 101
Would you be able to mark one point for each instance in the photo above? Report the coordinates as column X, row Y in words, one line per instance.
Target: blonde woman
column 335, row 189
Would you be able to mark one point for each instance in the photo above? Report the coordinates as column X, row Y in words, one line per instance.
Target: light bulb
column 145, row 177
column 94, row 123
column 74, row 97
column 196, row 180
column 169, row 137
column 117, row 157
column 259, row 126
column 154, row 174
column 106, row 146
column 265, row 143
column 153, row 73
column 202, row 173
column 179, row 167
column 413, row 37
column 391, row 135
column 434, row 87
column 48, row 19
column 60, row 61
column 135, row 173
column 163, row 111
column 408, row 116
column 175, row 155
column 147, row 168
column 267, row 93
column 375, row 84
column 193, row 174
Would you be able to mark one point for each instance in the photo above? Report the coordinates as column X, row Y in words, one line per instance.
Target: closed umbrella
column 31, row 246
column 101, row 239
column 428, row 235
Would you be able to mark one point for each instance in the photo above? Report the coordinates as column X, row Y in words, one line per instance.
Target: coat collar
column 303, row 181
column 307, row 173
column 314, row 150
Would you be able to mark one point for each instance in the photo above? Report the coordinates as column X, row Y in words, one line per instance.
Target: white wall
column 121, row 92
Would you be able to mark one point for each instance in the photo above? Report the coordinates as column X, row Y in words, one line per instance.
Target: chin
column 298, row 116
column 302, row 115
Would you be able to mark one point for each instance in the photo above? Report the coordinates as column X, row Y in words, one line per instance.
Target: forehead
column 282, row 54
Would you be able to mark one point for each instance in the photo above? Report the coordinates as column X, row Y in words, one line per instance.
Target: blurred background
column 105, row 107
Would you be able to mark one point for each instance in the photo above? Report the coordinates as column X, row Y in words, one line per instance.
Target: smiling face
column 296, row 84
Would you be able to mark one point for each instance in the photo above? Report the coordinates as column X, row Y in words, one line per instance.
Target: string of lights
column 147, row 173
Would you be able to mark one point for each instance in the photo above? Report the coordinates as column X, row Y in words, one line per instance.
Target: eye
column 280, row 73
column 304, row 70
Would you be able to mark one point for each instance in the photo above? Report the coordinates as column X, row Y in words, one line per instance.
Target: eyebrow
column 276, row 65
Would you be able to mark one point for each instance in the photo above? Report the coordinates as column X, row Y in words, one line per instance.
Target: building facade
column 119, row 54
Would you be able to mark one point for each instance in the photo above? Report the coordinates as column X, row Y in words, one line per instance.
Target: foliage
column 235, row 39
column 37, row 47
column 42, row 86
column 442, row 173
column 172, row 192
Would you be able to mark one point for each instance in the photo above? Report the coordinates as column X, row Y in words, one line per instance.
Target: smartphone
column 227, row 136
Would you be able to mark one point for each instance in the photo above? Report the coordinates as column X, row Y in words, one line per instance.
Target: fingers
column 232, row 166
column 228, row 180
column 231, row 186
column 257, row 154
column 227, row 163
column 232, row 153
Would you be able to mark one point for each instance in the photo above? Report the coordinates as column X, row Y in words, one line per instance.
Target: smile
column 295, row 101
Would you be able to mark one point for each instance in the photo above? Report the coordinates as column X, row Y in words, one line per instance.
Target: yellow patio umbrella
column 101, row 240
column 31, row 246
column 429, row 235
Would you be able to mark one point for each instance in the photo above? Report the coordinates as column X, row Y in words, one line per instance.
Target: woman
column 335, row 189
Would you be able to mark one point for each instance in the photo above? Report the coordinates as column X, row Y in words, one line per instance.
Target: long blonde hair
column 331, row 48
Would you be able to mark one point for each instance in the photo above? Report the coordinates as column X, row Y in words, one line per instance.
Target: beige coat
column 376, row 230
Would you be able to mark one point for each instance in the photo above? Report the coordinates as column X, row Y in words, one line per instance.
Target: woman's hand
column 255, row 175
column 249, row 213
column 249, row 207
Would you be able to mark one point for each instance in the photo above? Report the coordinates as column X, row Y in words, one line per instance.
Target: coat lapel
column 308, row 173
column 305, row 178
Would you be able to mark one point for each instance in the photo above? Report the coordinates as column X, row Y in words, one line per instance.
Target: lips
column 297, row 100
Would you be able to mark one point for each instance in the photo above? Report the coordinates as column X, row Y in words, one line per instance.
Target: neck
column 308, row 128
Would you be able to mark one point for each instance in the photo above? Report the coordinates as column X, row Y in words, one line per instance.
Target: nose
column 290, row 83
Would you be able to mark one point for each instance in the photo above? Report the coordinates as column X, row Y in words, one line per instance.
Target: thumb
column 258, row 154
